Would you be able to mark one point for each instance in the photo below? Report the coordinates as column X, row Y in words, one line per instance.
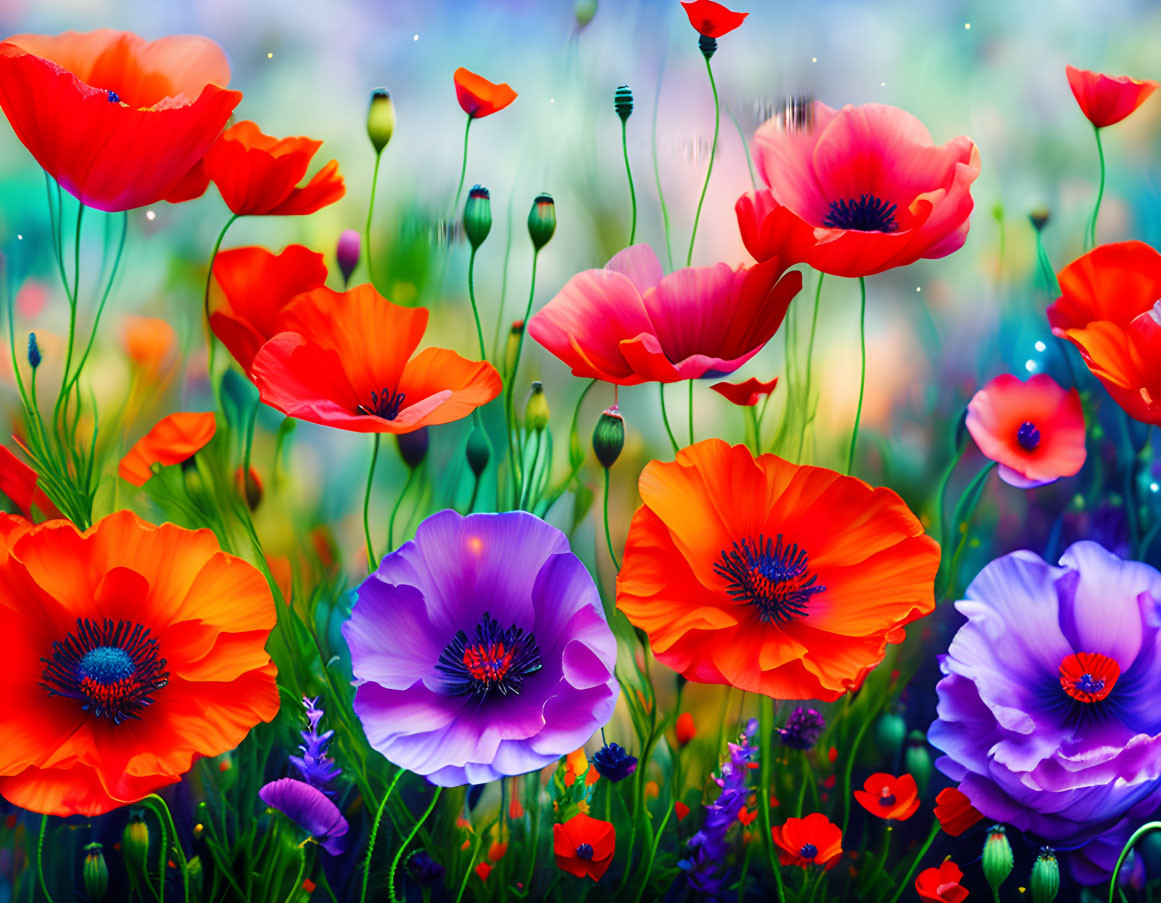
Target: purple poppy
column 1048, row 713
column 310, row 809
column 481, row 649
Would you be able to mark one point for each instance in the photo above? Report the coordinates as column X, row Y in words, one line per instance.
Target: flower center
column 1088, row 676
column 886, row 797
column 773, row 577
column 113, row 669
column 863, row 214
column 114, row 97
column 808, row 851
column 489, row 661
column 1028, row 436
column 584, row 851
column 384, row 404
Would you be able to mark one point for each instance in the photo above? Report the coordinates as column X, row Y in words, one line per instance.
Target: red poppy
column 712, row 19
column 773, row 577
column 1108, row 308
column 857, row 191
column 174, row 439
column 584, row 846
column 1034, row 430
column 941, row 884
column 345, row 360
column 18, row 481
column 809, row 842
column 117, row 120
column 182, row 671
column 955, row 811
column 889, row 797
column 746, row 393
column 258, row 175
column 628, row 323
column 1107, row 99
column 479, row 97
column 251, row 286
column 685, row 728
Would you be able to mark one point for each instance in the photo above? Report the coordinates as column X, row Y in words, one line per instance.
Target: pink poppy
column 861, row 190
column 629, row 323
column 1107, row 99
column 1034, row 430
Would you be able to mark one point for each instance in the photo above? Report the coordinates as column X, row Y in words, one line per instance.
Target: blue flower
column 614, row 763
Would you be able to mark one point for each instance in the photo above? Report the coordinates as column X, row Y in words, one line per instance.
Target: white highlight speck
column 415, row 37
column 1040, row 346
column 150, row 215
column 19, row 237
column 1030, row 366
column 967, row 26
column 270, row 55
column 1153, row 487
column 552, row 100
column 882, row 84
column 814, row 59
column 918, row 288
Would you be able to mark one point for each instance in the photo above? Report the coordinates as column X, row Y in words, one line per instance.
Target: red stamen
column 1088, row 676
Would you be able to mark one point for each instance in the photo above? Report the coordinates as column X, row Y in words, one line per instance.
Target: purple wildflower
column 310, row 809
column 612, row 761
column 316, row 767
column 803, row 728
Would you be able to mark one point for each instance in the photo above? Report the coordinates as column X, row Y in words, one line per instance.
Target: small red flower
column 941, row 884
column 746, row 393
column 681, row 810
column 1107, row 99
column 497, row 850
column 483, row 870
column 584, row 846
column 18, row 481
column 889, row 797
column 955, row 811
column 685, row 728
column 747, row 816
column 712, row 19
column 479, row 97
column 174, row 439
column 808, row 842
column 258, row 175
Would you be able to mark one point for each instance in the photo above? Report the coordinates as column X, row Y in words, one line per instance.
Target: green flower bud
column 890, row 730
column 997, row 858
column 609, row 437
column 917, row 760
column 380, row 119
column 135, row 842
column 95, row 873
column 536, row 411
column 479, row 450
column 513, row 345
column 584, row 10
column 1045, row 877
column 623, row 102
column 542, row 220
column 478, row 215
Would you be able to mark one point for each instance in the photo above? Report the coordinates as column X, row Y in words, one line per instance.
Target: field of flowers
column 673, row 491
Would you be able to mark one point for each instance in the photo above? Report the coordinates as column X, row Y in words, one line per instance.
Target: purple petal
column 310, row 809
column 391, row 638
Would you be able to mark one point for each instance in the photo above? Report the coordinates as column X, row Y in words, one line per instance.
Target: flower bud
column 135, row 842
column 347, row 253
column 513, row 345
column 542, row 220
column 613, row 762
column 890, row 730
column 479, row 450
column 918, row 760
column 623, row 102
column 707, row 45
column 478, row 215
column 609, row 437
column 536, row 411
column 95, row 873
column 413, row 446
column 997, row 858
column 584, row 10
column 33, row 351
column 380, row 119
column 249, row 486
column 1045, row 880
column 1039, row 218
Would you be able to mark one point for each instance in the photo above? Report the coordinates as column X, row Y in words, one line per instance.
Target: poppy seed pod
column 34, row 357
column 623, row 102
column 997, row 858
column 707, row 45
column 584, row 10
column 413, row 446
column 135, row 842
column 95, row 873
column 513, row 345
column 478, row 215
column 1045, row 881
column 542, row 220
column 380, row 119
column 536, row 411
column 478, row 451
column 1039, row 218
column 609, row 437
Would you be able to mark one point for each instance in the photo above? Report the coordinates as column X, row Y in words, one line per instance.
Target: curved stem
column 74, row 298
column 608, row 534
column 395, row 510
column 370, row 212
column 1090, row 235
column 371, row 560
column 526, row 489
column 657, row 169
column 513, row 464
column 375, row 833
column 407, row 842
column 905, row 883
column 463, row 167
column 629, row 174
column 101, row 304
column 210, row 348
column 665, row 418
column 297, row 878
column 1147, row 828
column 161, row 810
column 809, row 361
column 862, row 370
column 850, row 766
column 710, row 168
column 964, row 510
column 472, row 298
column 40, row 858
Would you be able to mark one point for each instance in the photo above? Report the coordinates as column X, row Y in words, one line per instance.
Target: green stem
column 372, row 561
column 629, row 174
column 101, row 304
column 210, row 347
column 850, row 766
column 862, row 370
column 375, row 833
column 657, row 171
column 395, row 510
column 809, row 361
column 472, row 298
column 40, row 858
column 512, row 462
column 1090, row 235
column 1147, row 828
column 526, row 490
column 608, row 534
column 407, row 842
column 710, row 168
column 665, row 418
column 963, row 514
column 294, row 888
column 652, row 853
column 691, row 440
column 73, row 300
column 745, row 147
column 463, row 167
column 940, row 495
column 906, row 882
column 370, row 213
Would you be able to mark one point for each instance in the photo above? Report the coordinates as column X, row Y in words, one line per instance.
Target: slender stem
column 101, row 304
column 472, row 298
column 74, row 298
column 809, row 361
column 371, row 559
column 1147, row 828
column 375, row 833
column 629, row 174
column 407, row 842
column 710, row 168
column 657, row 170
column 652, row 853
column 526, row 489
column 862, row 370
column 40, row 858
column 210, row 348
column 395, row 510
column 941, row 493
column 850, row 766
column 463, row 166
column 1090, row 235
column 963, row 513
column 905, row 883
column 691, row 440
column 665, row 418
column 370, row 213
column 294, row 888
column 745, row 147
column 608, row 534
column 514, row 465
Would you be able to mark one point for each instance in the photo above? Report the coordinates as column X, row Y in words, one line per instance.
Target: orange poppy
column 772, row 577
column 346, row 360
column 955, row 811
column 174, row 439
column 18, row 481
column 479, row 97
column 746, row 393
column 250, row 288
column 258, row 175
column 584, row 845
column 813, row 841
column 131, row 650
column 1108, row 308
column 117, row 120
column 148, row 341
column 1107, row 99
column 889, row 797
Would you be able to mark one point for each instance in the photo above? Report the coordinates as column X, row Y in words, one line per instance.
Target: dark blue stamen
column 1087, row 684
column 113, row 97
column 866, row 214
column 384, row 404
column 1028, row 436
column 490, row 661
column 112, row 669
column 808, row 851
column 584, row 851
column 887, row 800
column 773, row 577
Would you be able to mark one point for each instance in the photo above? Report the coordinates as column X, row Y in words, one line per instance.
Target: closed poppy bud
column 249, row 486
column 918, row 759
column 513, row 345
column 194, row 870
column 478, row 215
column 33, row 351
column 623, row 102
column 95, row 873
column 997, row 858
column 609, row 436
column 1039, row 218
column 1045, row 880
column 413, row 446
column 890, row 730
column 536, row 411
column 542, row 220
column 380, row 119
column 199, row 831
column 685, row 728
column 479, row 450
column 347, row 253
column 135, row 842
column 584, row 11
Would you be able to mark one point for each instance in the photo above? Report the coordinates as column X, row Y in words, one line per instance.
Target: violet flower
column 310, row 809
column 803, row 728
column 315, row 766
